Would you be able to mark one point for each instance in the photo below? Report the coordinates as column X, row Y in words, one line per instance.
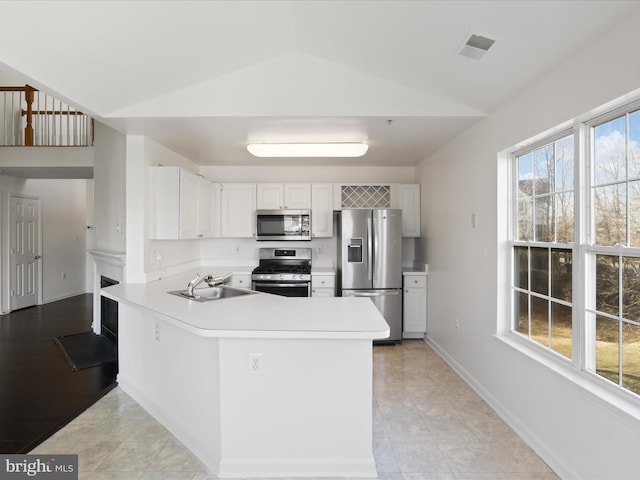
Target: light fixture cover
column 307, row 149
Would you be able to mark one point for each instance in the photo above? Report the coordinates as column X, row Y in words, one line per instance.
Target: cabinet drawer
column 323, row 292
column 241, row 280
column 323, row 281
column 415, row 281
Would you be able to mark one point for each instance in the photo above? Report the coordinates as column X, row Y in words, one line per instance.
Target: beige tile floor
column 428, row 424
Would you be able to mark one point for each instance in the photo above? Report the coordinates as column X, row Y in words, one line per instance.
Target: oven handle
column 286, row 285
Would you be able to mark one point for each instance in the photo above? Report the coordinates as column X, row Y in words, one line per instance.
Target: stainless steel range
column 283, row 271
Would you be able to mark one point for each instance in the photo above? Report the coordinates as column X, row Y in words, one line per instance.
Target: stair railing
column 33, row 118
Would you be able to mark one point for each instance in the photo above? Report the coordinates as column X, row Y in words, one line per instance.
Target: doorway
column 24, row 252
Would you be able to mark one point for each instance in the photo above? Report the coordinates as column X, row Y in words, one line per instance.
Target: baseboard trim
column 531, row 439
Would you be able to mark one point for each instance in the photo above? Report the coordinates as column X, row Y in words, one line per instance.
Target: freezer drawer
column 389, row 304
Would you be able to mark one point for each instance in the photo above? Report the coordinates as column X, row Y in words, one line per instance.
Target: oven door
column 287, row 289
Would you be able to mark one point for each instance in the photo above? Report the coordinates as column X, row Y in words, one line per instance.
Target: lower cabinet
column 414, row 306
column 323, row 285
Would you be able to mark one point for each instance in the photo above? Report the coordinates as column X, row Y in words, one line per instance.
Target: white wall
column 109, row 189
column 269, row 173
column 577, row 434
column 63, row 232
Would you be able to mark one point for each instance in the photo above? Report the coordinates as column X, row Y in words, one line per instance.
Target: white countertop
column 257, row 315
column 322, row 271
column 414, row 271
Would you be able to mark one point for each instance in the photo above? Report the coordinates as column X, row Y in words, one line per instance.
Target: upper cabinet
column 321, row 210
column 410, row 205
column 278, row 196
column 181, row 204
column 238, row 210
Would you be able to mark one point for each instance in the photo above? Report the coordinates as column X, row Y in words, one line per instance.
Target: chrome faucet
column 208, row 279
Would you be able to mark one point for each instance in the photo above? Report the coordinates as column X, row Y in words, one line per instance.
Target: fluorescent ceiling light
column 307, row 149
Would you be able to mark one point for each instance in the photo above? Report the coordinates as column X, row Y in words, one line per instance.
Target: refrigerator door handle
column 369, row 250
column 374, row 294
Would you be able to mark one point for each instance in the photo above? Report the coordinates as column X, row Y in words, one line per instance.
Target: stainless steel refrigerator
column 370, row 261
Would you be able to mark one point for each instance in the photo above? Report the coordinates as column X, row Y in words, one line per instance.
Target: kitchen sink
column 212, row 293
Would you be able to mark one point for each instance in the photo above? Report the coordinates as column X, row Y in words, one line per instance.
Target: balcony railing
column 33, row 118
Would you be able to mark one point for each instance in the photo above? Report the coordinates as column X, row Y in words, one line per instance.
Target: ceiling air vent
column 476, row 46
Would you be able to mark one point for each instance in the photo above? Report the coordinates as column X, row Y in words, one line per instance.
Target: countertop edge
column 248, row 333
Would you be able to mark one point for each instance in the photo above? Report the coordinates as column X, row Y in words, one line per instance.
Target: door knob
column 37, row 257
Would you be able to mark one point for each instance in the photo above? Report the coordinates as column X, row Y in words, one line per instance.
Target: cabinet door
column 165, row 203
column 410, row 205
column 238, row 207
column 323, row 285
column 205, row 208
column 270, row 196
column 297, row 196
column 322, row 210
column 188, row 204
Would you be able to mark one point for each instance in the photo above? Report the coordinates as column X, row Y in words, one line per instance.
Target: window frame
column 534, row 243
column 581, row 367
column 592, row 249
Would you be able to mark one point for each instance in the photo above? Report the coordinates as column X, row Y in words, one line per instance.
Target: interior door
column 24, row 252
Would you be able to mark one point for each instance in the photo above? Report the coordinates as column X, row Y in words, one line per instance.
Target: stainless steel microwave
column 283, row 225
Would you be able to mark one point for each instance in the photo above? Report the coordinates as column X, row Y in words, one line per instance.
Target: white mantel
column 108, row 264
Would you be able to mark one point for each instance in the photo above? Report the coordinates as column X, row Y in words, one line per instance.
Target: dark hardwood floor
column 39, row 393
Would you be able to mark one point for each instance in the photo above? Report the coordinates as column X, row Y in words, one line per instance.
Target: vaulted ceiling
column 204, row 78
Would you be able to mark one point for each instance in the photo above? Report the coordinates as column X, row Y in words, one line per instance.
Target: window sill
column 590, row 386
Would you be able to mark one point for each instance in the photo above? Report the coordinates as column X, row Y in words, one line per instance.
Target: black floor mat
column 85, row 350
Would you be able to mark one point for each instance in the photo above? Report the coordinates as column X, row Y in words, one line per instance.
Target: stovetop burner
column 284, row 263
column 276, row 268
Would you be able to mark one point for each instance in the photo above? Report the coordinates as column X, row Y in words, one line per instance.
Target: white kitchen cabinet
column 323, row 284
column 278, row 196
column 414, row 305
column 181, row 204
column 206, row 208
column 409, row 198
column 238, row 210
column 241, row 280
column 321, row 210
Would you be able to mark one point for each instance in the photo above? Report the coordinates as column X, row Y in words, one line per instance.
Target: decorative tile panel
column 366, row 196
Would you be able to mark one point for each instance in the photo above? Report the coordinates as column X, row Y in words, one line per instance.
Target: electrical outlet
column 457, row 322
column 157, row 332
column 255, row 363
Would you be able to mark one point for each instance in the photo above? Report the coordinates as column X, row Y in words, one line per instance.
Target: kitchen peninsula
column 256, row 385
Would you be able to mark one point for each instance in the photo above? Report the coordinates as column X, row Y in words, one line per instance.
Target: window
column 613, row 309
column 543, row 244
column 548, row 250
